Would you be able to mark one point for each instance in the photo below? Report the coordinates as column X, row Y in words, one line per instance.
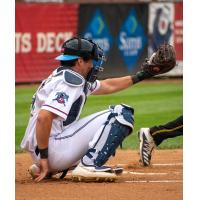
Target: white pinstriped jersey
column 61, row 96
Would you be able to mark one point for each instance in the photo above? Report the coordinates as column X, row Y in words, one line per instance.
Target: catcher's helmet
column 75, row 48
column 81, row 47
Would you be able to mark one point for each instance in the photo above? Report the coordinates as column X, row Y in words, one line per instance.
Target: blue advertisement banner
column 121, row 30
column 131, row 40
column 98, row 30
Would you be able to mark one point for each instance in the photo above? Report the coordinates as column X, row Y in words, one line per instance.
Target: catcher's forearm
column 43, row 128
column 112, row 85
column 42, row 135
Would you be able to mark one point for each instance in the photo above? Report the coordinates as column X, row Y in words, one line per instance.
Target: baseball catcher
column 162, row 61
column 57, row 138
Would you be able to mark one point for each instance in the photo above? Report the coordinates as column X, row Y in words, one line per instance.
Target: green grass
column 154, row 103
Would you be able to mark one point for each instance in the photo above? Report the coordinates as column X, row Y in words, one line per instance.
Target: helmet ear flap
column 97, row 52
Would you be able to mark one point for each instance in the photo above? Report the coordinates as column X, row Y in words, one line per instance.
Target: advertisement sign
column 121, row 30
column 166, row 26
column 178, row 30
column 131, row 39
column 161, row 17
column 98, row 30
column 40, row 31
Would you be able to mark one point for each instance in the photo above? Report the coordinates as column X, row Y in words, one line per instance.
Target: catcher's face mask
column 98, row 60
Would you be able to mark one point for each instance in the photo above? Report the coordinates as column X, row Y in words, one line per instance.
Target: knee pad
column 124, row 114
column 119, row 125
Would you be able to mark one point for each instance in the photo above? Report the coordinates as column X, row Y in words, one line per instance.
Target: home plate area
column 162, row 180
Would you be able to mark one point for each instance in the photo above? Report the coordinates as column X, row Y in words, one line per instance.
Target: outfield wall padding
column 127, row 32
column 40, row 31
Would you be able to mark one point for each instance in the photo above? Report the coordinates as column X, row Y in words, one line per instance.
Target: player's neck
column 83, row 71
column 79, row 71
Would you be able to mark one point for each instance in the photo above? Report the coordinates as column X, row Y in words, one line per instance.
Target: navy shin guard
column 117, row 134
column 118, row 126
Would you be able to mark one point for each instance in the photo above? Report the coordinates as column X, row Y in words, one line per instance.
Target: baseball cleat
column 117, row 170
column 93, row 174
column 34, row 170
column 146, row 146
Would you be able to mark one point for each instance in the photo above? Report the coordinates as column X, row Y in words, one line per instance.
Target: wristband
column 139, row 76
column 43, row 153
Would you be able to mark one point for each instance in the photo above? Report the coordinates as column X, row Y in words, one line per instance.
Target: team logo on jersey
column 61, row 97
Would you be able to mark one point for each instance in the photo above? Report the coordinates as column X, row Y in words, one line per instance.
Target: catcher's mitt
column 162, row 61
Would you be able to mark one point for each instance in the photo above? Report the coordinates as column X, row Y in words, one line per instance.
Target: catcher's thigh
column 67, row 148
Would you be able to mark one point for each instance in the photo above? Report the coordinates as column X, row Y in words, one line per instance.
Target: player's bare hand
column 43, row 170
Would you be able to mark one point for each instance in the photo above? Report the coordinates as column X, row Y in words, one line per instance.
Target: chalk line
column 155, row 181
column 159, row 164
column 150, row 173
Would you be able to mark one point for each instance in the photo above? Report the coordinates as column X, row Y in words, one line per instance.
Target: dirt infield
column 163, row 180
